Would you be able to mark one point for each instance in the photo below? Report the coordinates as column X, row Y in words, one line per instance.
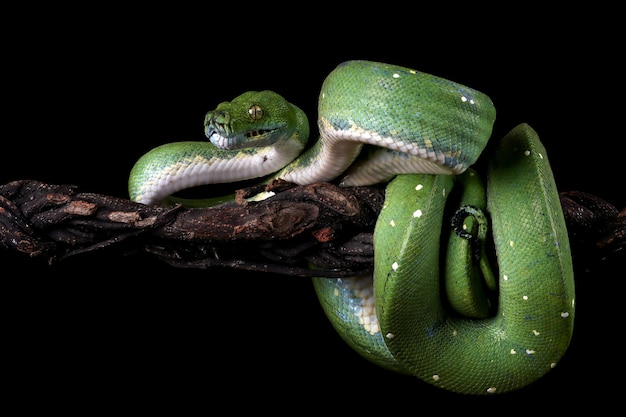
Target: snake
column 472, row 288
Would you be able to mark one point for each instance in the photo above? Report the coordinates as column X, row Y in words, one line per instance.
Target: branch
column 320, row 224
column 596, row 228
column 311, row 230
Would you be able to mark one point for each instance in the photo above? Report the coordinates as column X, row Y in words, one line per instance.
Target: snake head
column 253, row 119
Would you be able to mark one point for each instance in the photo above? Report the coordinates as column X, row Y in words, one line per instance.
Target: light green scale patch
column 350, row 306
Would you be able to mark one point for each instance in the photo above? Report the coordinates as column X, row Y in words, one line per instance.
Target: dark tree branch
column 596, row 228
column 311, row 230
column 322, row 224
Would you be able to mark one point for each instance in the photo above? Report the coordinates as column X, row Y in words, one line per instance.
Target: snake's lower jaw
column 216, row 139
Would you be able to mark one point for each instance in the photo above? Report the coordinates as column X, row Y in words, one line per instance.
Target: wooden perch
column 312, row 230
column 596, row 228
column 321, row 224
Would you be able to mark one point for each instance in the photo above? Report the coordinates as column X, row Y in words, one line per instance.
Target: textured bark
column 319, row 224
column 311, row 230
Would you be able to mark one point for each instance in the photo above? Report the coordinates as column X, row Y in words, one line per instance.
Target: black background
column 87, row 94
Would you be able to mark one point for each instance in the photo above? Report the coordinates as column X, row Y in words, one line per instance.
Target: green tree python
column 421, row 134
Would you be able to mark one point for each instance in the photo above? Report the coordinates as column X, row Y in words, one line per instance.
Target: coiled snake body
column 422, row 134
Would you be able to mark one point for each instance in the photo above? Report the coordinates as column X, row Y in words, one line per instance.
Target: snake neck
column 323, row 162
column 177, row 166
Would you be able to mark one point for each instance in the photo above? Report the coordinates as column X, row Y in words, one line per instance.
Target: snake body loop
column 502, row 319
column 531, row 327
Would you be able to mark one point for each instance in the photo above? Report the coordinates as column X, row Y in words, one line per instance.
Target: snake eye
column 255, row 111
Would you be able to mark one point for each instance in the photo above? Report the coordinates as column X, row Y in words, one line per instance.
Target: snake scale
column 504, row 314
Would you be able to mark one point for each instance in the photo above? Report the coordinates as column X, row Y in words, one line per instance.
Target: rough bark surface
column 322, row 225
column 312, row 230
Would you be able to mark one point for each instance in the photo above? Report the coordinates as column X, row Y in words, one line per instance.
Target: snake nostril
column 216, row 117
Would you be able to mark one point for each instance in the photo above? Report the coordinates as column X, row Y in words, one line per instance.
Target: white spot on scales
column 527, row 153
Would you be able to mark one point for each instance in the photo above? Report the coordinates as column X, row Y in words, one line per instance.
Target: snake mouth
column 259, row 134
column 248, row 139
column 217, row 139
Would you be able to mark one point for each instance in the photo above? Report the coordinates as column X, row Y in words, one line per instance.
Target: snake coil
column 421, row 134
